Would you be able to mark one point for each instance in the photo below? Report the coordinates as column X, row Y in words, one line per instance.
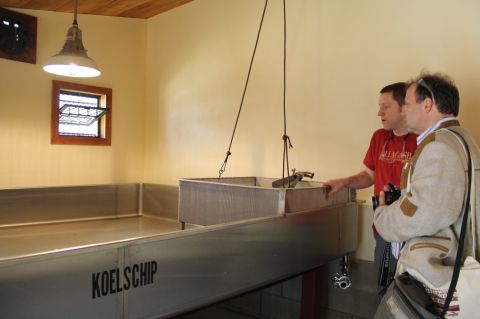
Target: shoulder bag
column 406, row 297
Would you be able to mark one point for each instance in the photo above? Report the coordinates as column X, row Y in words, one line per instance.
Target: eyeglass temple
column 422, row 83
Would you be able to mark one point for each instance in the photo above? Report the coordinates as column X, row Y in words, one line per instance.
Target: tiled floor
column 358, row 302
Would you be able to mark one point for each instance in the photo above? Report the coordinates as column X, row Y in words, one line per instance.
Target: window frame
column 105, row 122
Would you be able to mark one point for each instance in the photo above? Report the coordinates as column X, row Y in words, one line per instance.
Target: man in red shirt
column 390, row 147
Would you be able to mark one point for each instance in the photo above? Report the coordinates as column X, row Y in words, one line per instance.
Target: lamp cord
column 75, row 5
column 224, row 165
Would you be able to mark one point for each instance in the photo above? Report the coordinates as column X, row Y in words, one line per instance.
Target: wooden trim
column 106, row 123
column 142, row 9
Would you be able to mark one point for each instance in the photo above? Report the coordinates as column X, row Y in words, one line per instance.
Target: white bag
column 468, row 289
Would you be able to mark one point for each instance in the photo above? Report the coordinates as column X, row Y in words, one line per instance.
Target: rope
column 224, row 165
column 286, row 139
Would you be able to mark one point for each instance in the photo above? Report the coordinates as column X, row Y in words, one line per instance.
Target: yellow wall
column 340, row 54
column 26, row 156
column 177, row 81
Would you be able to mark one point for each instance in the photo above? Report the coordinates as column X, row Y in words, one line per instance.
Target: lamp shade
column 73, row 59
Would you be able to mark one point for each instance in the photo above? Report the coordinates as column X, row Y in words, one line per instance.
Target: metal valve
column 343, row 280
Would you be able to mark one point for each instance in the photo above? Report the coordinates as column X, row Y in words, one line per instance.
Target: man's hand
column 381, row 196
column 361, row 180
column 381, row 199
column 335, row 185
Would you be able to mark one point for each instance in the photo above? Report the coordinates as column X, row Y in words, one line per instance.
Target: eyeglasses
column 423, row 84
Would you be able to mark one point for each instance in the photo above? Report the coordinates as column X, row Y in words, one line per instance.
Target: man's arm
column 361, row 180
column 435, row 199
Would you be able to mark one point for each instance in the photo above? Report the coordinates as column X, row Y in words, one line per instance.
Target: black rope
column 286, row 139
column 224, row 165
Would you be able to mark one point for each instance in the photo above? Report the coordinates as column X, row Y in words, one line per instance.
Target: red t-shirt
column 386, row 155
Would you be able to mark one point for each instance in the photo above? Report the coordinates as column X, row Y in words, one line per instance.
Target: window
column 81, row 114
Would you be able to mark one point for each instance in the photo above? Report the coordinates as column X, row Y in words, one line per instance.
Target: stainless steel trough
column 208, row 201
column 125, row 256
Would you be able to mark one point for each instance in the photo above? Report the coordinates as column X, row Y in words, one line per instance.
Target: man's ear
column 428, row 104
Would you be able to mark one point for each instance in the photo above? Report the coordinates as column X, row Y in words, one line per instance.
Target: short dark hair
column 441, row 89
column 398, row 91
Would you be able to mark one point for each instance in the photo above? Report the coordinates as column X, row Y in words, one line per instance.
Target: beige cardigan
column 427, row 215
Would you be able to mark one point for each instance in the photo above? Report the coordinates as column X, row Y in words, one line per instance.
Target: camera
column 390, row 196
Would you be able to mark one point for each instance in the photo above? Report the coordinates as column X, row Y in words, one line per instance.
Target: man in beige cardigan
column 428, row 214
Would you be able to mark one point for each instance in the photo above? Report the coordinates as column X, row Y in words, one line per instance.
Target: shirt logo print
column 391, row 157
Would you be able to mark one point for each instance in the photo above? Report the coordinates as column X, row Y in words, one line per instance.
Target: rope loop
column 224, row 165
column 287, row 140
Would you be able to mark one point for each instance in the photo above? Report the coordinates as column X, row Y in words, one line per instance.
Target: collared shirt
column 422, row 136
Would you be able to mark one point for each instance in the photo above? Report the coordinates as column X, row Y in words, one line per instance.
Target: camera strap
column 385, row 273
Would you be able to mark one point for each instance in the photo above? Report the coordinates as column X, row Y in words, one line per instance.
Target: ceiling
column 142, row 9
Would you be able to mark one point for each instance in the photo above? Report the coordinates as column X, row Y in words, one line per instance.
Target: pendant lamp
column 72, row 59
